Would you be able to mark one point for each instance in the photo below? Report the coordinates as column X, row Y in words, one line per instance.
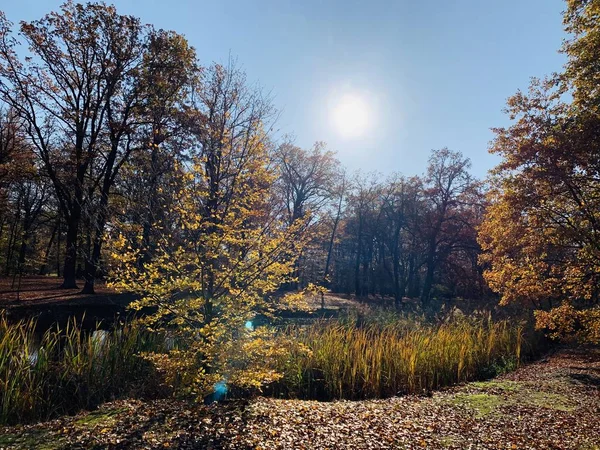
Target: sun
column 351, row 116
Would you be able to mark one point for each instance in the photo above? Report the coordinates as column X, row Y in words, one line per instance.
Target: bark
column 330, row 249
column 70, row 264
column 428, row 283
column 58, row 247
column 44, row 265
column 11, row 239
column 93, row 260
column 357, row 284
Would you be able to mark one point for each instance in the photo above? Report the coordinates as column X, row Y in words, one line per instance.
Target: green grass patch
column 100, row 417
column 495, row 394
column 482, row 404
column 548, row 400
column 38, row 439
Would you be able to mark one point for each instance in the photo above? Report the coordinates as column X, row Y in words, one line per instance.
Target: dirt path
column 42, row 298
column 44, row 290
column 551, row 404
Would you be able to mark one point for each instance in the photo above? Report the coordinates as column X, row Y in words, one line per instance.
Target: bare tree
column 448, row 183
column 63, row 95
column 307, row 178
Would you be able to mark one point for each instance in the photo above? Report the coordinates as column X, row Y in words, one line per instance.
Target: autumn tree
column 363, row 205
column 226, row 250
column 24, row 197
column 307, row 178
column 339, row 197
column 98, row 87
column 412, row 239
column 63, row 95
column 146, row 111
column 541, row 234
column 402, row 202
column 15, row 156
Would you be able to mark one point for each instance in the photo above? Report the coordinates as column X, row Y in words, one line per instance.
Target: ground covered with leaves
column 551, row 404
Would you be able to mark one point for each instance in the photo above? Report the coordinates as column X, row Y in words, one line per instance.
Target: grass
column 39, row 439
column 66, row 370
column 384, row 358
column 490, row 396
column 484, row 404
column 481, row 404
column 100, row 417
column 356, row 357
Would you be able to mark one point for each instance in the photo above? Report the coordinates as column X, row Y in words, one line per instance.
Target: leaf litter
column 551, row 404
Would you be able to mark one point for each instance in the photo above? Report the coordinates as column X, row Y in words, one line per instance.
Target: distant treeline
column 113, row 129
column 100, row 127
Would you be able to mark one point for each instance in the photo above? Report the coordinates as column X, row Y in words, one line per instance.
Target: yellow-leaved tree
column 224, row 253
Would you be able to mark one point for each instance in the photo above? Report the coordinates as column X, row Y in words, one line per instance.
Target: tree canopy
column 540, row 235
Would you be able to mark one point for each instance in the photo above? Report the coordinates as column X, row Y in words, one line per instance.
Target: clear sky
column 433, row 73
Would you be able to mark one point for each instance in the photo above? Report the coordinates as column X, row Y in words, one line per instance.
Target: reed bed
column 68, row 369
column 372, row 360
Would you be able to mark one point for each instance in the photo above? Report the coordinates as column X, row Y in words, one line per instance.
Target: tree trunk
column 428, row 282
column 93, row 260
column 91, row 266
column 48, row 249
column 22, row 250
column 413, row 282
column 330, row 250
column 397, row 292
column 9, row 248
column 13, row 237
column 357, row 285
column 70, row 267
column 92, row 263
column 58, row 246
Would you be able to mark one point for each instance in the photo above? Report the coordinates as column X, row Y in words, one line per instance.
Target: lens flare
column 220, row 389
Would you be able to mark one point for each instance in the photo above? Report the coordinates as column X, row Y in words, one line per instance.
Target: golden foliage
column 217, row 266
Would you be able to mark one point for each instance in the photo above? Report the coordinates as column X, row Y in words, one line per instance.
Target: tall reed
column 65, row 370
column 370, row 360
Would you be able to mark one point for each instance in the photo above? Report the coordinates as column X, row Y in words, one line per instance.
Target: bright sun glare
column 351, row 116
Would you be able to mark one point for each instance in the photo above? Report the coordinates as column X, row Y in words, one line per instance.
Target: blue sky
column 434, row 73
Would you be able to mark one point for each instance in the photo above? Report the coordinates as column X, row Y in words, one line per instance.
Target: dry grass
column 374, row 360
column 68, row 369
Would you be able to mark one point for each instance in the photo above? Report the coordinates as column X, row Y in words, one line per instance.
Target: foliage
column 69, row 369
column 541, row 235
column 95, row 88
column 225, row 252
column 568, row 322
